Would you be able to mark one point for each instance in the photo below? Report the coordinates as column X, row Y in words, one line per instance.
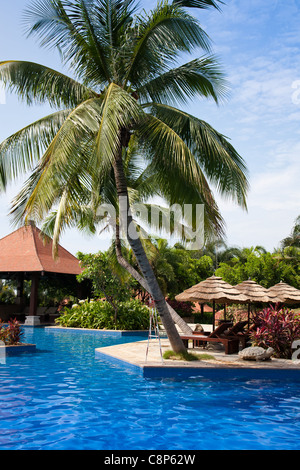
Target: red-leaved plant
column 184, row 309
column 277, row 328
column 11, row 334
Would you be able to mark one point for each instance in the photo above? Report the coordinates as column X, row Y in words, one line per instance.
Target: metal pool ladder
column 154, row 333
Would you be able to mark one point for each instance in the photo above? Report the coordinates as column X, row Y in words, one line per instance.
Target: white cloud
column 273, row 205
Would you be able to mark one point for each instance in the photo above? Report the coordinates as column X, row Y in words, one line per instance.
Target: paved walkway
column 134, row 356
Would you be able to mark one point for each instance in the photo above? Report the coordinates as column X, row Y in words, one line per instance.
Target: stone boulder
column 255, row 353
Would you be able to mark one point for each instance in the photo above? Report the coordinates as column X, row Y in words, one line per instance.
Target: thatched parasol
column 285, row 293
column 256, row 294
column 213, row 289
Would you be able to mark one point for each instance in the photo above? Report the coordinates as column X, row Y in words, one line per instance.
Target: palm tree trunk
column 184, row 327
column 143, row 262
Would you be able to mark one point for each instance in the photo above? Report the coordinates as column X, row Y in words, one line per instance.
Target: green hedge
column 131, row 315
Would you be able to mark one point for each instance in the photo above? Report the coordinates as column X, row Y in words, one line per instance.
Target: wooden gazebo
column 27, row 254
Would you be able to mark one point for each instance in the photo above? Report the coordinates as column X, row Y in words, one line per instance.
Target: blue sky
column 258, row 45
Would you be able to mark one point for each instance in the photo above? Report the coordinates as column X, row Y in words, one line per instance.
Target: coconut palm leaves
column 199, row 76
column 215, row 155
column 204, row 4
column 35, row 83
column 101, row 37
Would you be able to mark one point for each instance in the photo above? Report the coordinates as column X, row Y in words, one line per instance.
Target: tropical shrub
column 106, row 282
column 263, row 267
column 277, row 328
column 100, row 314
column 205, row 317
column 7, row 295
column 11, row 334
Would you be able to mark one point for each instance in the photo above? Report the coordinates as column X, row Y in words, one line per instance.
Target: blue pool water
column 63, row 397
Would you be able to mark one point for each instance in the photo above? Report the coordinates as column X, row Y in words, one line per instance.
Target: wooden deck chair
column 238, row 331
column 217, row 336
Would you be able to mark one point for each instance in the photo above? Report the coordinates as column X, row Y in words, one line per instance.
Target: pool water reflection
column 63, row 397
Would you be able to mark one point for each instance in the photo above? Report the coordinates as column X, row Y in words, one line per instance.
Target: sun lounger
column 239, row 327
column 238, row 332
column 217, row 332
column 231, row 344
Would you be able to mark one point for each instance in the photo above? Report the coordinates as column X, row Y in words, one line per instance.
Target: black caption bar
column 134, row 459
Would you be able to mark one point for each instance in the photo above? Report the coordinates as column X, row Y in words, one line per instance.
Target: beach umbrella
column 285, row 293
column 215, row 290
column 256, row 294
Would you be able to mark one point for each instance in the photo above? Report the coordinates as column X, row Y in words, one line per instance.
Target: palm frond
column 93, row 33
column 158, row 39
column 68, row 27
column 169, row 150
column 80, row 154
column 120, row 110
column 20, row 152
column 68, row 215
column 186, row 183
column 202, row 4
column 217, row 157
column 67, row 159
column 201, row 77
column 121, row 60
column 35, row 83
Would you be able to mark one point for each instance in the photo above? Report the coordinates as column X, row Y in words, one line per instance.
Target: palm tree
column 293, row 240
column 127, row 81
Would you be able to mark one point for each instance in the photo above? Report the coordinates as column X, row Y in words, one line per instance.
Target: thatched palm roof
column 285, row 292
column 213, row 289
column 255, row 292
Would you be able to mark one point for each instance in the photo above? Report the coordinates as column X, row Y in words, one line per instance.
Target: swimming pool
column 63, row 397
